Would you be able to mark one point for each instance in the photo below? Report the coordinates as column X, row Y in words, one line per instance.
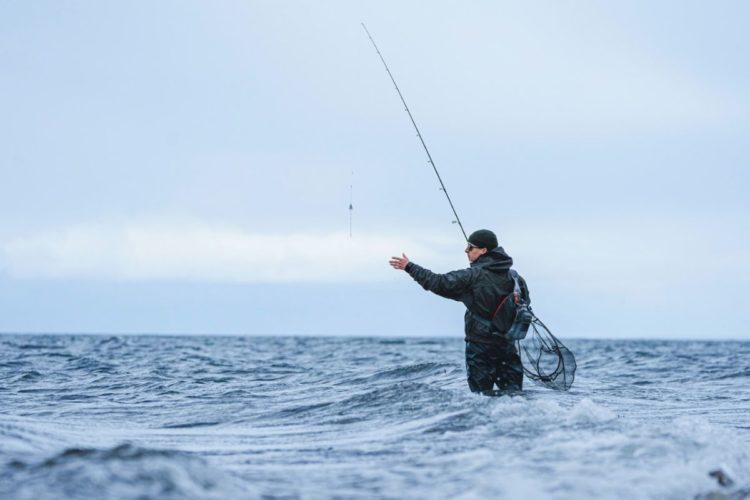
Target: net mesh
column 545, row 359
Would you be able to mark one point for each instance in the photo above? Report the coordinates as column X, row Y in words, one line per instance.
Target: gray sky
column 185, row 166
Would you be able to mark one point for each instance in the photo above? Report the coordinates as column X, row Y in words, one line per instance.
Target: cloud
column 203, row 252
column 628, row 257
column 659, row 259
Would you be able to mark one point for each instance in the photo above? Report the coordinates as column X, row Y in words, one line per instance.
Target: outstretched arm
column 450, row 285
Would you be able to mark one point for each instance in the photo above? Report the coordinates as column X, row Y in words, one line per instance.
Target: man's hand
column 399, row 262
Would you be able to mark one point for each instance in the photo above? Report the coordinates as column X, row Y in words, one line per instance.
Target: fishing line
column 549, row 362
column 419, row 134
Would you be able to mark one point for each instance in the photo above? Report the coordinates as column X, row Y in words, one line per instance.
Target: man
column 491, row 359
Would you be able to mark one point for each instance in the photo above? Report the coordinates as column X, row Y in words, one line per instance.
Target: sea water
column 121, row 417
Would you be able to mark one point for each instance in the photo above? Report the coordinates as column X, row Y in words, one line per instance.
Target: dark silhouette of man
column 491, row 359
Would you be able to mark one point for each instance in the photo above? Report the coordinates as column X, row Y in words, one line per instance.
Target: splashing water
column 234, row 417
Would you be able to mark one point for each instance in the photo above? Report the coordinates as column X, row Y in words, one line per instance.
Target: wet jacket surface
column 480, row 287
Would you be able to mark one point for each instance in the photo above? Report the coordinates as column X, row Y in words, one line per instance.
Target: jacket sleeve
column 450, row 285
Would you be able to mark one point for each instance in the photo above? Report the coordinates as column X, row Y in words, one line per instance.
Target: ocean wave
column 211, row 417
column 405, row 373
column 124, row 472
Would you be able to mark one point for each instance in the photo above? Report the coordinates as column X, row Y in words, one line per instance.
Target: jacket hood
column 495, row 260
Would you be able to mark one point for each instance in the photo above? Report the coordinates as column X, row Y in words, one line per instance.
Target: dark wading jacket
column 480, row 287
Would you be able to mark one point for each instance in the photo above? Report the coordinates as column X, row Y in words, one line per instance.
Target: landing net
column 545, row 359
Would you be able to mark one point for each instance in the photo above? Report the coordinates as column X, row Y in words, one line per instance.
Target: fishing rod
column 419, row 134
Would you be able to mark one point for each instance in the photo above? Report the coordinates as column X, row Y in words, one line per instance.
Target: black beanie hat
column 483, row 238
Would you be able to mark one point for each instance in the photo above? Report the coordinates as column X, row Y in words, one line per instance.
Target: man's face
column 473, row 252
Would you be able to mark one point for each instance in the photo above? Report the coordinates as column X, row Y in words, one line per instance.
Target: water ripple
column 239, row 417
